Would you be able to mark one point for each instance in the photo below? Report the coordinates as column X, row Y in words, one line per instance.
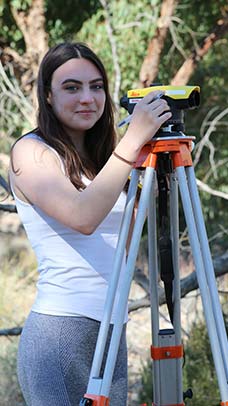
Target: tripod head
column 179, row 98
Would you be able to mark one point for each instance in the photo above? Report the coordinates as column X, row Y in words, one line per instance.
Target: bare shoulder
column 32, row 153
column 32, row 165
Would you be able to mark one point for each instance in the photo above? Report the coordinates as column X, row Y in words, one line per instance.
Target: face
column 77, row 95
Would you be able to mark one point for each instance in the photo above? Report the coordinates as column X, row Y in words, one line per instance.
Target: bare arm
column 42, row 182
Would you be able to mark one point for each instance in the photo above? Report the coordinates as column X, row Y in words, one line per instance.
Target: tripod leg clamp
column 94, row 400
column 169, row 352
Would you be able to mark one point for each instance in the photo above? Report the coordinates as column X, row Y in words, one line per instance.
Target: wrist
column 122, row 159
column 127, row 149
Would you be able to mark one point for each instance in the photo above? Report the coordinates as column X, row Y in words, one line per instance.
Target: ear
column 49, row 97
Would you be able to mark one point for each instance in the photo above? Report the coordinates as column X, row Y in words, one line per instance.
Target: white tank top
column 74, row 269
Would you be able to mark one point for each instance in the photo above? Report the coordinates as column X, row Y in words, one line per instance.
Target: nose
column 86, row 97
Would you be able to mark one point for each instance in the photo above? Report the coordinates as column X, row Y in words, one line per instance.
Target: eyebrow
column 80, row 83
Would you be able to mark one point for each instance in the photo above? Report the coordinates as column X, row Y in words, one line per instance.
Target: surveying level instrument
column 167, row 159
column 179, row 98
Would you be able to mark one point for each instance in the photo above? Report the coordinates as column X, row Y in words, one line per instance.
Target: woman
column 68, row 177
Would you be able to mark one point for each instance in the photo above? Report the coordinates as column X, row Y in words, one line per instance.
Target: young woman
column 68, row 177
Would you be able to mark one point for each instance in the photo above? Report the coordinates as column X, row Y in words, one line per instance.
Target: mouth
column 85, row 111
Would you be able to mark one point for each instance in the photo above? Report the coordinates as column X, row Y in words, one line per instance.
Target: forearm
column 99, row 197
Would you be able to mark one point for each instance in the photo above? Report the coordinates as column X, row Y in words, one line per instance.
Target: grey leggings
column 54, row 361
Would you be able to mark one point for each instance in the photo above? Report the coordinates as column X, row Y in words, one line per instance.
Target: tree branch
column 11, row 208
column 211, row 191
column 4, row 184
column 15, row 331
column 11, row 97
column 187, row 284
column 31, row 23
column 186, row 70
column 212, row 128
column 112, row 41
column 151, row 62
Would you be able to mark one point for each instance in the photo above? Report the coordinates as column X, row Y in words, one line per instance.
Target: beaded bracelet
column 123, row 159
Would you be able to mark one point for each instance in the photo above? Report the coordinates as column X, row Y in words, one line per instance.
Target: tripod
column 166, row 351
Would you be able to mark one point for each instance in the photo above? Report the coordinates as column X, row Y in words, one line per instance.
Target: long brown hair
column 99, row 140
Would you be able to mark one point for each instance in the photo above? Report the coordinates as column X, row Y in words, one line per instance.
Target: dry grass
column 17, row 290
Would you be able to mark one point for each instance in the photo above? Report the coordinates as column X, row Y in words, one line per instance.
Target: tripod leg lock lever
column 169, row 352
column 94, row 400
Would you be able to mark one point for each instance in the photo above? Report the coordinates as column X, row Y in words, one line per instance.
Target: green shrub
column 199, row 372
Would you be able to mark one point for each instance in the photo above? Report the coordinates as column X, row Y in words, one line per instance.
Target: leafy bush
column 199, row 372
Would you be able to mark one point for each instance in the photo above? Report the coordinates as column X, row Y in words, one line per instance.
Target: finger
column 164, row 117
column 153, row 95
column 160, row 104
column 159, row 107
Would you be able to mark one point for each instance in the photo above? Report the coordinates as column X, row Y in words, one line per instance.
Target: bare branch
column 11, row 96
column 210, row 190
column 15, row 331
column 10, row 54
column 212, row 128
column 11, row 208
column 186, row 70
column 112, row 41
column 137, row 22
column 205, row 141
column 220, row 162
column 220, row 234
column 188, row 284
column 4, row 184
column 193, row 34
column 175, row 40
column 151, row 62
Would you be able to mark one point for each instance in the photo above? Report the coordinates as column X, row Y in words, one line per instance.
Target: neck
column 78, row 140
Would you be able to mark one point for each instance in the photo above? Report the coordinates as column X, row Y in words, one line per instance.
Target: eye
column 98, row 86
column 71, row 88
